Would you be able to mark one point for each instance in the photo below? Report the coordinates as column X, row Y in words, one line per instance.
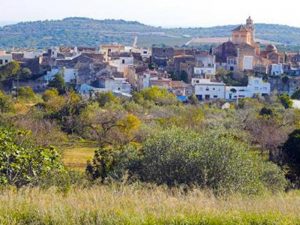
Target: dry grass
column 137, row 205
column 76, row 157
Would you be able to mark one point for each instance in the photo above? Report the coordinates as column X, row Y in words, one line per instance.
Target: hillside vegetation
column 90, row 32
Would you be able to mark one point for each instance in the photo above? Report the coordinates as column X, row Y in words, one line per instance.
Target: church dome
column 271, row 48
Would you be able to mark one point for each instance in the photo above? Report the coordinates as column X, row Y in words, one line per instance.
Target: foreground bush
column 217, row 161
column 22, row 163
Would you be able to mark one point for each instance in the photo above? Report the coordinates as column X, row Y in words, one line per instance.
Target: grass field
column 144, row 205
column 76, row 157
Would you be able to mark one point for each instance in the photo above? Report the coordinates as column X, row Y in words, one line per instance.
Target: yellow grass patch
column 77, row 157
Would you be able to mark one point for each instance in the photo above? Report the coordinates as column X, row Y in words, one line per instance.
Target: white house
column 145, row 52
column 88, row 91
column 5, row 58
column 248, row 62
column 116, row 84
column 33, row 54
column 276, row 69
column 122, row 63
column 205, row 65
column 205, row 89
column 69, row 74
column 256, row 86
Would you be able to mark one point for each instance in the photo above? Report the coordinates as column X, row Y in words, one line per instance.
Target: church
column 242, row 52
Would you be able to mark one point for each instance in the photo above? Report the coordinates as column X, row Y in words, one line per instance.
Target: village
column 253, row 70
column 149, row 112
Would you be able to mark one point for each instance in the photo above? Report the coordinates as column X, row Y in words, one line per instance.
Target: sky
column 165, row 13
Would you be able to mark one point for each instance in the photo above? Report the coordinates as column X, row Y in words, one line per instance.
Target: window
column 207, row 89
column 6, row 61
column 1, row 61
column 123, row 61
column 200, row 98
column 215, row 96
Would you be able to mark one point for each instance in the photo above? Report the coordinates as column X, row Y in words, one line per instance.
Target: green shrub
column 21, row 163
column 26, row 93
column 216, row 160
column 286, row 101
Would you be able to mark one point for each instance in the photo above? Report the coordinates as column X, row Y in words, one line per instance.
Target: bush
column 105, row 98
column 291, row 153
column 296, row 95
column 211, row 161
column 22, row 163
column 159, row 96
column 217, row 161
column 26, row 93
column 286, row 101
column 113, row 163
column 6, row 104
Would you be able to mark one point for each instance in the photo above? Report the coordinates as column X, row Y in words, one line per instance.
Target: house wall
column 5, row 59
column 206, row 90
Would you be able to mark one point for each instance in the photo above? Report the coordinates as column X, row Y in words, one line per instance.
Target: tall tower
column 249, row 23
column 250, row 26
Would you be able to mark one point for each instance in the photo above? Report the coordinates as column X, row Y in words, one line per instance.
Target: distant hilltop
column 77, row 31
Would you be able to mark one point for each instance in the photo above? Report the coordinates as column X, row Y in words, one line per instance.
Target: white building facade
column 206, row 90
column 205, row 65
column 256, row 86
column 5, row 58
column 276, row 69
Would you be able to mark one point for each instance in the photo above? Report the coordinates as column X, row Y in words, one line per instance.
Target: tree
column 68, row 113
column 184, row 76
column 58, row 82
column 25, row 73
column 22, row 163
column 296, row 95
column 9, row 70
column 108, row 126
column 53, row 101
column 26, row 93
column 6, row 104
column 113, row 163
column 159, row 96
column 266, row 112
column 103, row 163
column 50, row 94
column 285, row 79
column 105, row 98
column 286, row 101
column 194, row 100
column 291, row 155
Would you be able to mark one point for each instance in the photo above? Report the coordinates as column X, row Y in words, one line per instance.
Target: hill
column 90, row 32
